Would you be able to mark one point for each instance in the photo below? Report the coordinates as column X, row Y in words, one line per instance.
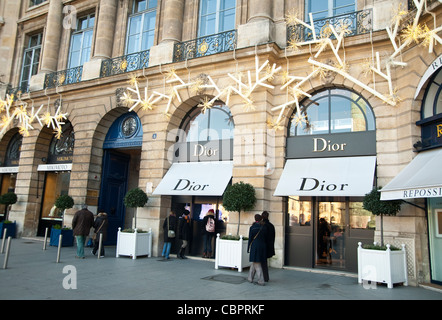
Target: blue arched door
column 124, row 134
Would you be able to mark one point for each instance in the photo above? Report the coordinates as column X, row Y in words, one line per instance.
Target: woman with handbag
column 257, row 248
column 169, row 228
column 100, row 227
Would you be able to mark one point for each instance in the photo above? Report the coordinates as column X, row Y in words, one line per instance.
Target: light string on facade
column 245, row 85
column 414, row 32
column 25, row 117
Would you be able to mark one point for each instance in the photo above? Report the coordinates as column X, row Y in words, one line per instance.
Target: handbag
column 170, row 233
column 95, row 233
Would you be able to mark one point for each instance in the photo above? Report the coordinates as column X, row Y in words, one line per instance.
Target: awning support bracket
column 415, row 205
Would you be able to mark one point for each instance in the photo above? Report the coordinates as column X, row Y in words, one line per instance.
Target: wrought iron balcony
column 204, row 46
column 412, row 6
column 63, row 77
column 358, row 22
column 123, row 64
column 17, row 91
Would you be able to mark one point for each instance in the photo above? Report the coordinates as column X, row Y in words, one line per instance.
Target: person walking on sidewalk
column 257, row 248
column 185, row 232
column 169, row 228
column 100, row 227
column 81, row 224
column 270, row 243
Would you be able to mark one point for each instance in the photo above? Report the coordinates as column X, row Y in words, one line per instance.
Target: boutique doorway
column 120, row 172
column 198, row 208
column 323, row 232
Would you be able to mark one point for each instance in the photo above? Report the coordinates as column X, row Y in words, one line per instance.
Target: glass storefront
column 324, row 225
column 198, row 208
column 338, row 223
column 57, row 174
column 435, row 238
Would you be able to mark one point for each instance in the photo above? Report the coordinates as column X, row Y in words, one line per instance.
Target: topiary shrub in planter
column 384, row 264
column 231, row 251
column 8, row 199
column 381, row 263
column 63, row 202
column 373, row 203
column 239, row 197
column 135, row 198
column 67, row 239
column 132, row 241
column 9, row 227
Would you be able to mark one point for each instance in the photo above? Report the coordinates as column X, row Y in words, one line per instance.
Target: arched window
column 431, row 115
column 333, row 111
column 432, row 104
column 215, row 123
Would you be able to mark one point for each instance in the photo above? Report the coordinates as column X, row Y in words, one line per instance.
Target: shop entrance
column 435, row 238
column 113, row 190
column 120, row 173
column 198, row 208
column 323, row 232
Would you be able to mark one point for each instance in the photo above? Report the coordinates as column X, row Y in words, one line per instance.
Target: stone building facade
column 251, row 60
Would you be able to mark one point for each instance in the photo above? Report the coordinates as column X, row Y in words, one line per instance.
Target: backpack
column 210, row 225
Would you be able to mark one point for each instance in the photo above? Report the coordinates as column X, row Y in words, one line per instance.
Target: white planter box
column 134, row 244
column 382, row 266
column 231, row 253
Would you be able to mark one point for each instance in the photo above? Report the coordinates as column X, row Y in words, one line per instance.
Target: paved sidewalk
column 33, row 273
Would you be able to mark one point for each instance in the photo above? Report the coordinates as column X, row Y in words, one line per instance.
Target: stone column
column 260, row 10
column 173, row 19
column 51, row 44
column 105, row 29
column 104, row 39
column 259, row 28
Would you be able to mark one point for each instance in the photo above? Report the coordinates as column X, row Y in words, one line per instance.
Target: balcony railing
column 63, row 77
column 204, row 46
column 412, row 6
column 123, row 64
column 358, row 22
column 17, row 91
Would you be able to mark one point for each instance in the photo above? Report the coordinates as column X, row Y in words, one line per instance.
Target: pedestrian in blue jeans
column 81, row 226
column 170, row 224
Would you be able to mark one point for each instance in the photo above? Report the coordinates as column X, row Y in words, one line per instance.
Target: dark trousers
column 265, row 270
column 96, row 244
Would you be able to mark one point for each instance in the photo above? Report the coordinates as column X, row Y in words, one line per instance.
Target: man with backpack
column 208, row 233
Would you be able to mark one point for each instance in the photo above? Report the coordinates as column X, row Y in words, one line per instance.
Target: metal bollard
column 100, row 243
column 5, row 264
column 3, row 241
column 59, row 248
column 46, row 239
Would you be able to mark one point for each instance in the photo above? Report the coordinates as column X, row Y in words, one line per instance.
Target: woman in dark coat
column 170, row 223
column 185, row 232
column 208, row 233
column 100, row 227
column 257, row 248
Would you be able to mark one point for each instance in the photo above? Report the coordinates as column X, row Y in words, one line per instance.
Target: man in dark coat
column 81, row 224
column 100, row 227
column 257, row 248
column 170, row 223
column 185, row 232
column 270, row 243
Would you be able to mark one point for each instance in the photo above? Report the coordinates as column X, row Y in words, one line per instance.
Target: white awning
column 341, row 176
column 421, row 178
column 196, row 178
